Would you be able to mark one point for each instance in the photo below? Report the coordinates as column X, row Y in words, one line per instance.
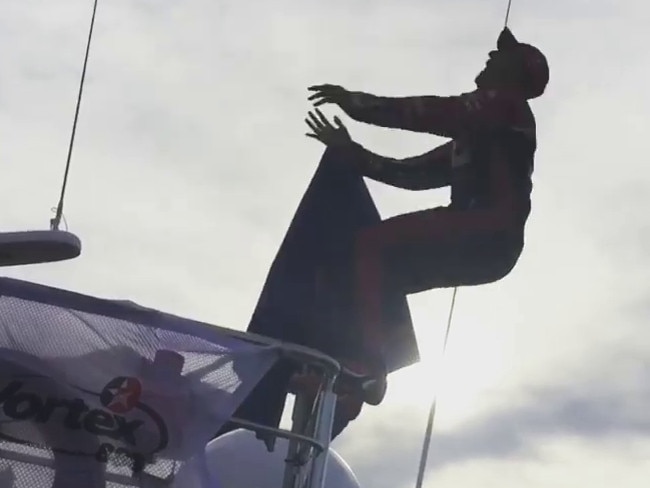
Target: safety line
column 54, row 223
column 432, row 410
column 507, row 13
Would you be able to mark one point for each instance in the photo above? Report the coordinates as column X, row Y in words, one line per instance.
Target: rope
column 432, row 410
column 54, row 223
column 507, row 13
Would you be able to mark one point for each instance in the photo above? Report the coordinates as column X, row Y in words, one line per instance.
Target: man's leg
column 429, row 249
column 419, row 251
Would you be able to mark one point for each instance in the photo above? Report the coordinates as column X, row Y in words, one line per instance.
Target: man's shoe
column 370, row 377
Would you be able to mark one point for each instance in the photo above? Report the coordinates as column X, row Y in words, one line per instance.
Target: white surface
column 238, row 459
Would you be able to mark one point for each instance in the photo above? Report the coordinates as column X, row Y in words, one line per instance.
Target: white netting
column 117, row 398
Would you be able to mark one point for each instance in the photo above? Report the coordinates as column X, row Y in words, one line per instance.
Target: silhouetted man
column 488, row 164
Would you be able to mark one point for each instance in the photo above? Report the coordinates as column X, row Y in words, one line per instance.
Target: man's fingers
column 324, row 119
column 320, row 120
column 319, row 87
column 321, row 99
column 321, row 127
column 312, row 126
column 325, row 94
column 322, row 102
column 317, row 123
column 324, row 87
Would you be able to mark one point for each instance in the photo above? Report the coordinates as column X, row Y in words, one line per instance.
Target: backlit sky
column 191, row 157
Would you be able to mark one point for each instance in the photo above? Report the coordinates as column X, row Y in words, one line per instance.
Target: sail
column 96, row 391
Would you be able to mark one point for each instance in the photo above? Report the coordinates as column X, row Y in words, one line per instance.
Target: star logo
column 121, row 394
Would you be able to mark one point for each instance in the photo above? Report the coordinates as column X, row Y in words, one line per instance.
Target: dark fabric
column 308, row 296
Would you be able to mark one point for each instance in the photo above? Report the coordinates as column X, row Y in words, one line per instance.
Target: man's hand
column 330, row 94
column 325, row 132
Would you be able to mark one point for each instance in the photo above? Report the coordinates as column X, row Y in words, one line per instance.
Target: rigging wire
column 505, row 24
column 54, row 223
column 432, row 411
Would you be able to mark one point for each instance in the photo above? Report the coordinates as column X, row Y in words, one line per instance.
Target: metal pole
column 299, row 417
column 323, row 433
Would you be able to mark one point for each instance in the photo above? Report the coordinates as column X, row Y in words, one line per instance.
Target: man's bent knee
column 496, row 264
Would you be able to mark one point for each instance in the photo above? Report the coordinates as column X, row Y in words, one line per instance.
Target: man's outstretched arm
column 424, row 172
column 442, row 116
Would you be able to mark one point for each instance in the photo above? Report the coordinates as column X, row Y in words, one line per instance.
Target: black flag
column 308, row 297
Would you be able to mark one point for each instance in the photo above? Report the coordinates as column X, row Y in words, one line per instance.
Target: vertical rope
column 507, row 13
column 432, row 410
column 54, row 223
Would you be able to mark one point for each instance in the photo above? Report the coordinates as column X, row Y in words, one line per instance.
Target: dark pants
column 429, row 249
column 415, row 252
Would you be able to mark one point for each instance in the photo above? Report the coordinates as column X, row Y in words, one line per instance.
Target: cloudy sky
column 191, row 157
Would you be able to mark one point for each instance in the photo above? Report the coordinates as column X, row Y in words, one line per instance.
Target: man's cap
column 534, row 63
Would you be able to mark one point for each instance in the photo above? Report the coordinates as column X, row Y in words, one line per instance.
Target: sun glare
column 467, row 378
column 471, row 375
